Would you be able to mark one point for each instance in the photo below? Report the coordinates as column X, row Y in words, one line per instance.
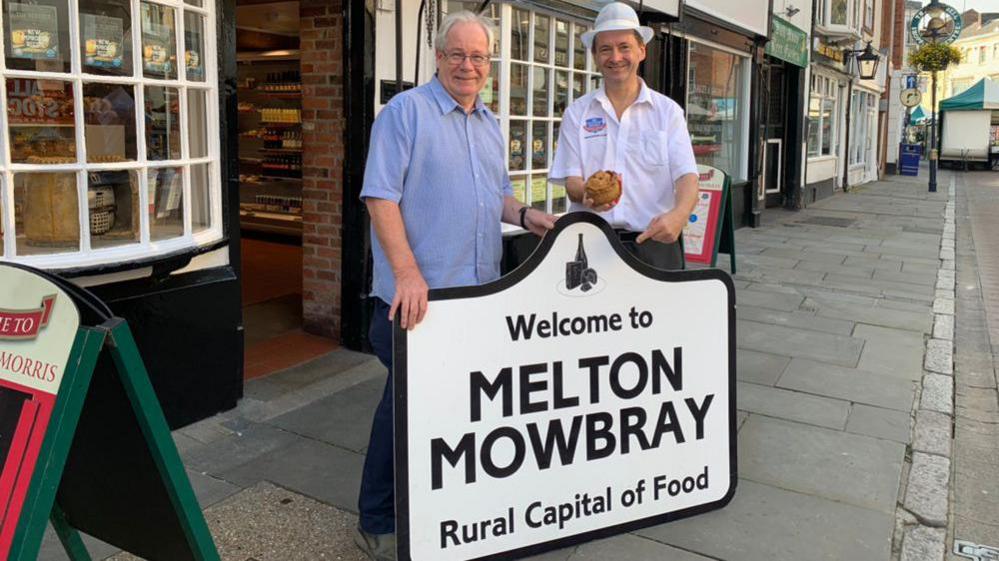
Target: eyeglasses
column 457, row 59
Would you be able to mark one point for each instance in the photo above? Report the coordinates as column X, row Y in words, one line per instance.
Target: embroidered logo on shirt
column 595, row 124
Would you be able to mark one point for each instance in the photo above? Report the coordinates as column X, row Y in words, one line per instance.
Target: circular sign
column 911, row 97
column 942, row 25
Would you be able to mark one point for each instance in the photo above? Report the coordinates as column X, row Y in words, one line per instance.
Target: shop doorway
column 775, row 128
column 269, row 90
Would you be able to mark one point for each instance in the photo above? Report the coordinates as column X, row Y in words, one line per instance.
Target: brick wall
column 322, row 164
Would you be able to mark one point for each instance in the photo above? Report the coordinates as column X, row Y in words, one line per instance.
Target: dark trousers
column 656, row 254
column 377, row 500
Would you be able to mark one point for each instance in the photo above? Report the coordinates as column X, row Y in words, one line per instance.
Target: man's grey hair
column 464, row 16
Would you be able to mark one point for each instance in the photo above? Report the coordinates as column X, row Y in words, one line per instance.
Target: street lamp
column 867, row 61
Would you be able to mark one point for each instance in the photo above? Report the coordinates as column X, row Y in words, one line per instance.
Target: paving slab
column 890, row 351
column 849, row 468
column 632, row 548
column 759, row 368
column 797, row 318
column 237, row 449
column 321, row 471
column 765, row 523
column 926, row 491
column 848, row 383
column 795, row 406
column 342, row 419
column 775, row 339
column 763, row 299
column 872, row 315
column 880, row 423
column 933, row 433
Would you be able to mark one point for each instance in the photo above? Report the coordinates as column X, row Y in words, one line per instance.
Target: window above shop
column 841, row 19
column 110, row 134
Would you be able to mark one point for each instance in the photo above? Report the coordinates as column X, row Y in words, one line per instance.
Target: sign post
column 583, row 395
column 83, row 441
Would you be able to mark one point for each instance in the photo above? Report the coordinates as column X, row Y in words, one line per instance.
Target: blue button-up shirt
column 447, row 172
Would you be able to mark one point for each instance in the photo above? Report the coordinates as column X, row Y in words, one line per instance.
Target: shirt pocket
column 654, row 148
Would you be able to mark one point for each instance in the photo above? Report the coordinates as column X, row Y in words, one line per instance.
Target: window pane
column 194, row 46
column 518, row 135
column 2, row 196
column 561, row 92
column 106, row 37
column 555, row 132
column 578, row 88
column 36, row 35
column 113, row 202
column 827, row 126
column 490, row 93
column 578, row 49
column 109, row 114
column 561, row 43
column 539, row 145
column 47, row 218
column 166, row 203
column 201, row 203
column 159, row 42
column 197, row 3
column 559, row 202
column 519, row 33
column 540, row 92
column 539, row 192
column 41, row 119
column 197, row 123
column 162, row 123
column 595, row 81
column 714, row 107
column 542, row 36
column 518, row 89
column 814, row 123
column 519, row 184
column 839, row 10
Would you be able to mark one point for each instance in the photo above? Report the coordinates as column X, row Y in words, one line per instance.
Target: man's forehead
column 467, row 34
column 616, row 37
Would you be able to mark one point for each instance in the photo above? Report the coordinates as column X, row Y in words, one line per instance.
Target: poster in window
column 103, row 38
column 34, row 31
column 157, row 41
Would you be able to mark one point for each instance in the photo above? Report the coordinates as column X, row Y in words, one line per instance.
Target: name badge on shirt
column 594, row 127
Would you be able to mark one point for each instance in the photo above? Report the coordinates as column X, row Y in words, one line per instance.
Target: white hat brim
column 643, row 30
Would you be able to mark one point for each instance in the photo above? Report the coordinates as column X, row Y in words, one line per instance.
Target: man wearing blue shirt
column 436, row 188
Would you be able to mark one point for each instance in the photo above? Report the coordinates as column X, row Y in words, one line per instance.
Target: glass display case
column 270, row 146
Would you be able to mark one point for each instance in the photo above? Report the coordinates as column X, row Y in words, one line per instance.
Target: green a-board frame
column 41, row 506
column 725, row 239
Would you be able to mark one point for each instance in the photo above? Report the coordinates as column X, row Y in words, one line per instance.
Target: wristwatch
column 523, row 214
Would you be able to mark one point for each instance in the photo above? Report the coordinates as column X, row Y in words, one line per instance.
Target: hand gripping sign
column 585, row 394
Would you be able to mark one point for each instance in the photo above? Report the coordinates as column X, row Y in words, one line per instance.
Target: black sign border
column 400, row 390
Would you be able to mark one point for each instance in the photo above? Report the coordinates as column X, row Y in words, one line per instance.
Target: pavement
column 857, row 414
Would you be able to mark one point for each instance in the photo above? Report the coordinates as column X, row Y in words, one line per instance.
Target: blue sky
column 980, row 5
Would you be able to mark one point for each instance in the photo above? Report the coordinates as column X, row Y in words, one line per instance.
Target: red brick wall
column 322, row 164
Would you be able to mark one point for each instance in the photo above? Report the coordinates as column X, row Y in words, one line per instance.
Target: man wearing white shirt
column 639, row 134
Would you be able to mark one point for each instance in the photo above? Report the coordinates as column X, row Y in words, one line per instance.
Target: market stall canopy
column 982, row 96
column 918, row 116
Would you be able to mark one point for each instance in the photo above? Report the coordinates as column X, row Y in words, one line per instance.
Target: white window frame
column 505, row 117
column 144, row 250
column 854, row 17
column 825, row 88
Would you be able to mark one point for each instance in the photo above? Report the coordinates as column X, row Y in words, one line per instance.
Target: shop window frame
column 504, row 116
column 144, row 250
column 824, row 88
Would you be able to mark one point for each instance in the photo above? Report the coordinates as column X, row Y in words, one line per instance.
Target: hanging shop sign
column 84, row 468
column 582, row 395
column 34, row 31
column 941, row 24
column 712, row 222
column 787, row 43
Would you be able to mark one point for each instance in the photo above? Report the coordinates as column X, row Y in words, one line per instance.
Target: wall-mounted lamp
column 867, row 60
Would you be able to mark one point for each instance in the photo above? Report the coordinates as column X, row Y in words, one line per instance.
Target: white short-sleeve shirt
column 650, row 147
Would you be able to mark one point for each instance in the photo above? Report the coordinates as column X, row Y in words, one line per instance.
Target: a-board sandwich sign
column 582, row 395
column 38, row 324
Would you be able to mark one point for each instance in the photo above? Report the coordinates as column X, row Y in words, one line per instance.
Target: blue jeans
column 377, row 500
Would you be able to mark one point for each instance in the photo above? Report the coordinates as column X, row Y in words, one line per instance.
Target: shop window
column 714, row 107
column 112, row 153
column 822, row 117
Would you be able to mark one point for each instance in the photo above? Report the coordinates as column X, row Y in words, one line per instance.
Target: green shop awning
column 982, row 96
column 918, row 116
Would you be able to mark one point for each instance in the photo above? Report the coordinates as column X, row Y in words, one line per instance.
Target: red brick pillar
column 322, row 164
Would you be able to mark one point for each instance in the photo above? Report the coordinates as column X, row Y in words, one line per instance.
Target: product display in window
column 159, row 50
column 113, row 201
column 46, row 209
column 37, row 35
column 105, row 37
column 194, row 46
column 539, row 145
column 41, row 117
column 518, row 135
column 162, row 123
column 165, row 188
column 109, row 114
column 539, row 192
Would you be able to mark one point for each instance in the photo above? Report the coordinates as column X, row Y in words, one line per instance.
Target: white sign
column 911, row 97
column 751, row 15
column 582, row 395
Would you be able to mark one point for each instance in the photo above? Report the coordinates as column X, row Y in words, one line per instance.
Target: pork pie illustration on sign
column 578, row 273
